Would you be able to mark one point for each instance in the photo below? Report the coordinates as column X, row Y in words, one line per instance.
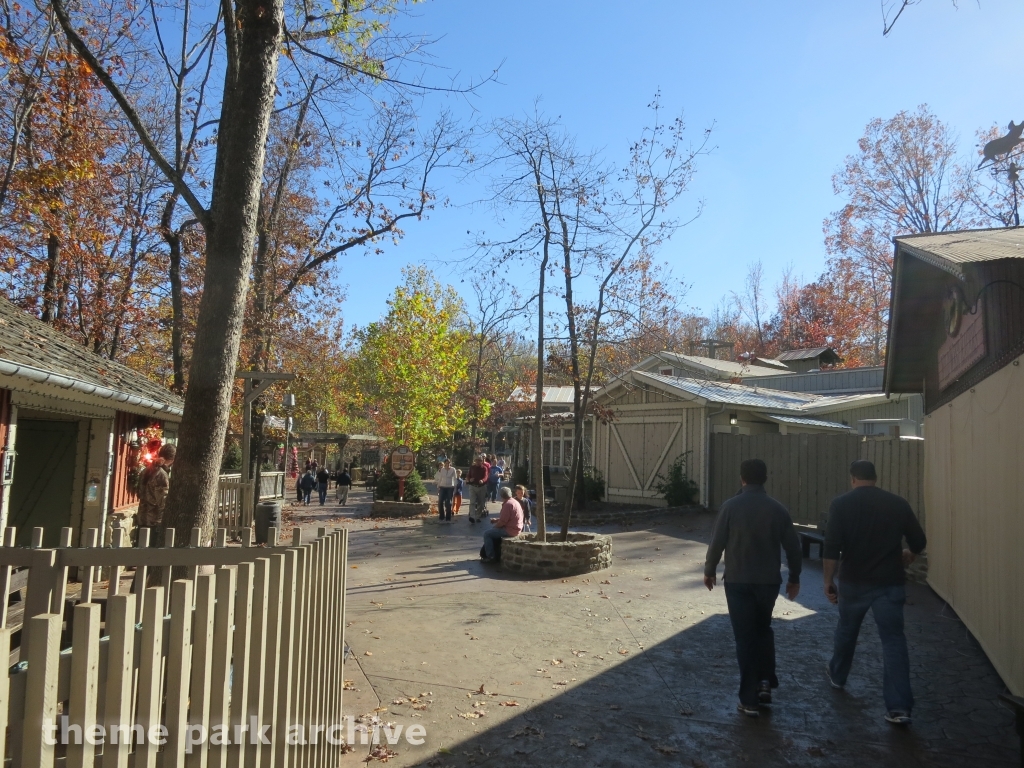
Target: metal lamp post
column 288, row 403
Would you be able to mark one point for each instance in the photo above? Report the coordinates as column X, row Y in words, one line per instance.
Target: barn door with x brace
column 643, row 446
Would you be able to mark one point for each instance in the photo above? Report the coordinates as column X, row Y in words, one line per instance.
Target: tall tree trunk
column 177, row 311
column 537, row 458
column 253, row 43
column 49, row 314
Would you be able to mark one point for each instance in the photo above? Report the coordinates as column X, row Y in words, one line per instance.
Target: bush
column 387, row 486
column 678, row 489
column 593, row 484
column 232, row 459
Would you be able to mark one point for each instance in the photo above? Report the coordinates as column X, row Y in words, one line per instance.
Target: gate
column 255, row 644
column 805, row 472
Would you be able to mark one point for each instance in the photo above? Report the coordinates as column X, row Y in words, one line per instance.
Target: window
column 558, row 449
column 665, row 371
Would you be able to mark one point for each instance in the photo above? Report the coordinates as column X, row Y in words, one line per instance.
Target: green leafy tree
column 410, row 365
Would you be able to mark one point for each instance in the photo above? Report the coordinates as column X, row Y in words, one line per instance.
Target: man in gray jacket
column 751, row 527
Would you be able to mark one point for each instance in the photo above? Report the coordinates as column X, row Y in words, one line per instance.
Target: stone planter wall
column 582, row 553
column 589, row 519
column 399, row 508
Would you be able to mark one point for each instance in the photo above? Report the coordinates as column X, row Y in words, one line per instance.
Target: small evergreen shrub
column 593, row 484
column 387, row 487
column 677, row 488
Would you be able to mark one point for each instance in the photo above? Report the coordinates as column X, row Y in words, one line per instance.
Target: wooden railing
column 234, row 499
column 256, row 641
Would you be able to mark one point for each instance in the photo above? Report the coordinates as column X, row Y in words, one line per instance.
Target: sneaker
column 833, row 683
column 897, row 717
column 748, row 710
column 764, row 692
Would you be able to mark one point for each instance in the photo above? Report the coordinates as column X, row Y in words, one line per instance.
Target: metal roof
column 801, row 421
column 740, row 395
column 550, row 395
column 38, row 354
column 711, row 365
column 947, row 249
column 803, row 354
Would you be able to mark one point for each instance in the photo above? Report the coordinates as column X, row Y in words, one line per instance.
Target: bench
column 809, row 536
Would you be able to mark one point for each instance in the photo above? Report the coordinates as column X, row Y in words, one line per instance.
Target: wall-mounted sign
column 965, row 343
column 403, row 461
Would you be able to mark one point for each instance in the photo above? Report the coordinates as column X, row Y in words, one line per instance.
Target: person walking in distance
column 446, row 481
column 864, row 542
column 476, row 479
column 154, row 486
column 460, row 488
column 751, row 527
column 323, row 480
column 307, row 484
column 344, row 485
column 494, row 473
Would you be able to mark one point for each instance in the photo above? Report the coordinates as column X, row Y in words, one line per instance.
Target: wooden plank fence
column 234, row 499
column 807, row 471
column 250, row 641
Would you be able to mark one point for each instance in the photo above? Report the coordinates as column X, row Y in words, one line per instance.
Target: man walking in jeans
column 445, row 479
column 864, row 541
column 751, row 527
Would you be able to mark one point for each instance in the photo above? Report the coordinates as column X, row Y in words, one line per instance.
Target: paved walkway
column 633, row 666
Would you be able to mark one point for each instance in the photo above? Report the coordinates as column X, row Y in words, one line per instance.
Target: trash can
column 267, row 516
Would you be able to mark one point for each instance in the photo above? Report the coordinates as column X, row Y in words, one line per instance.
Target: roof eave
column 39, row 376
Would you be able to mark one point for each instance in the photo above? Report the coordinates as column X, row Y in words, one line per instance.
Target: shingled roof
column 35, row 353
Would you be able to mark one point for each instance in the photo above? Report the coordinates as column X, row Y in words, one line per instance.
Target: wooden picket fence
column 234, row 505
column 252, row 636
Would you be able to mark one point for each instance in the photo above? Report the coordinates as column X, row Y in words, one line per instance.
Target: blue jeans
column 322, row 491
column 886, row 603
column 490, row 536
column 492, row 490
column 750, row 612
column 445, row 497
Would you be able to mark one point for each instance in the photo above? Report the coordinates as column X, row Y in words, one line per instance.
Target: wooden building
column 658, row 418
column 957, row 337
column 69, row 428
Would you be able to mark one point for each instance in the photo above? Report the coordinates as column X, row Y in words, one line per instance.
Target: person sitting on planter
column 527, row 504
column 508, row 524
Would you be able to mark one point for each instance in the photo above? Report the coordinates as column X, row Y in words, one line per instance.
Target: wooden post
column 85, row 662
column 120, row 666
column 39, row 737
column 257, row 658
column 150, row 667
column 141, row 571
column 179, row 663
column 5, row 579
column 240, row 656
column 88, row 574
column 5, row 684
column 202, row 663
column 41, row 578
column 220, row 674
column 273, row 661
column 169, row 535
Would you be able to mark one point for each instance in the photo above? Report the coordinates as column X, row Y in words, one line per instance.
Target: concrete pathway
column 633, row 666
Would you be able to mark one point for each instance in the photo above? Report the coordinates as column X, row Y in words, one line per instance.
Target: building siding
column 975, row 521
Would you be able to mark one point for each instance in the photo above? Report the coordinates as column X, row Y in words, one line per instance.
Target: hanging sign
column 403, row 461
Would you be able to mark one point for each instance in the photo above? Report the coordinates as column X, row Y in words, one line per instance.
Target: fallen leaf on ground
column 381, row 753
column 555, row 662
column 623, row 652
column 482, row 690
column 348, row 685
column 577, row 744
column 398, row 701
column 614, row 706
column 666, row 750
column 606, row 582
column 816, row 751
column 472, row 715
column 368, row 653
column 686, row 711
column 509, row 703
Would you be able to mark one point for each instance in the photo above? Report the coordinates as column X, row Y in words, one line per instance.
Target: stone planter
column 399, row 508
column 582, row 553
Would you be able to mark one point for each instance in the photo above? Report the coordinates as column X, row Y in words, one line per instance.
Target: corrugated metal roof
column 761, row 399
column 551, row 395
column 729, row 368
column 838, row 381
column 801, row 421
column 965, row 247
column 802, row 354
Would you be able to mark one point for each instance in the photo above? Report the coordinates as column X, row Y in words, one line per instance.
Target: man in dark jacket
column 751, row 527
column 864, row 541
column 323, row 480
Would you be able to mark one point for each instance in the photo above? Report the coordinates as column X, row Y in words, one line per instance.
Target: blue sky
column 788, row 84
